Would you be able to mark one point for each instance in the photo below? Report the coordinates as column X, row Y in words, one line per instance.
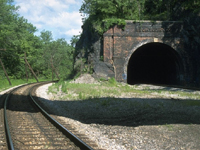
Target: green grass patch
column 4, row 84
column 88, row 91
column 111, row 88
column 112, row 81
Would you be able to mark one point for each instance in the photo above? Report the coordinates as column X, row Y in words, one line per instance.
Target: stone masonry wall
column 119, row 44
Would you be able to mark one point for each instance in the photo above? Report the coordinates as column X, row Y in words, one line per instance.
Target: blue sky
column 61, row 17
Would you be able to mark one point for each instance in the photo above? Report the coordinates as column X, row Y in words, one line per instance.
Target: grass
column 169, row 127
column 111, row 89
column 4, row 84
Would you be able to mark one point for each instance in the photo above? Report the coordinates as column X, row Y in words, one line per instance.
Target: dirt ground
column 133, row 122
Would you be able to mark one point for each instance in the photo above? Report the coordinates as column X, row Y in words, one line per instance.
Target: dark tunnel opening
column 154, row 63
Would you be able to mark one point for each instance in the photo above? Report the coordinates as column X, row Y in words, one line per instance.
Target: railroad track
column 28, row 126
column 3, row 144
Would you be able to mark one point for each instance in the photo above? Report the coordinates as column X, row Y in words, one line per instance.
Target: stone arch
column 154, row 63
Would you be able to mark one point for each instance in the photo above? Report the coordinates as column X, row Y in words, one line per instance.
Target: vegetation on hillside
column 48, row 58
column 104, row 13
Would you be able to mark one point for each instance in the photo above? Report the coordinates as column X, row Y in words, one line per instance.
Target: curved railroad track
column 28, row 126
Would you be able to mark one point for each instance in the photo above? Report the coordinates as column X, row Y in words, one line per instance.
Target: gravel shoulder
column 130, row 122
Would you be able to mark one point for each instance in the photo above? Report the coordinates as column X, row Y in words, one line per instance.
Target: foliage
column 112, row 81
column 64, row 87
column 105, row 13
column 45, row 55
column 170, row 10
column 57, row 56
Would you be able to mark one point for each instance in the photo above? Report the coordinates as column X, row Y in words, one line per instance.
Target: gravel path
column 131, row 123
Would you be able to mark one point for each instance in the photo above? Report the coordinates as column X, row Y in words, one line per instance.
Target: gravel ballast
column 131, row 122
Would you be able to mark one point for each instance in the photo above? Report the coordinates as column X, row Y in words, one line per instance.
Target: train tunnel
column 154, row 63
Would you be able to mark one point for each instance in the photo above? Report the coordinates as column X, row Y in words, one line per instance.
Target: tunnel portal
column 154, row 63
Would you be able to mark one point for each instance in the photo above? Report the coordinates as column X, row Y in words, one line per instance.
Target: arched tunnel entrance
column 154, row 63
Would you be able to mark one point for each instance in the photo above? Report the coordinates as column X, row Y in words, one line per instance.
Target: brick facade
column 119, row 44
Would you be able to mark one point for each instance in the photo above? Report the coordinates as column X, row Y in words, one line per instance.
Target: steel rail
column 7, row 130
column 9, row 139
column 65, row 131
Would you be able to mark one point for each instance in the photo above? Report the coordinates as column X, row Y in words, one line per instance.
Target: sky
column 61, row 17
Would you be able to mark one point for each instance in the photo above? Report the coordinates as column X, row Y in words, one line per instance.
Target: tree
column 16, row 36
column 8, row 36
column 170, row 9
column 57, row 56
column 104, row 13
column 43, row 53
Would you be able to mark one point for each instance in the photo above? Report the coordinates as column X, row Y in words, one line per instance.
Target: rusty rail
column 79, row 143
column 70, row 135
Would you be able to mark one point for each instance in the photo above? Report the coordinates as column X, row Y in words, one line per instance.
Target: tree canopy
column 104, row 13
column 48, row 58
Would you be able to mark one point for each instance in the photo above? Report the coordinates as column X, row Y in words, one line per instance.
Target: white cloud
column 62, row 17
column 73, row 32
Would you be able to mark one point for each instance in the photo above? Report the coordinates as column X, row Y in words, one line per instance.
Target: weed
column 103, row 79
column 112, row 81
column 51, row 89
column 147, row 88
column 169, row 126
column 81, row 96
column 64, row 88
column 159, row 91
